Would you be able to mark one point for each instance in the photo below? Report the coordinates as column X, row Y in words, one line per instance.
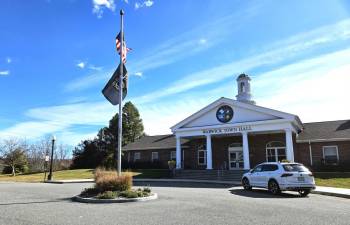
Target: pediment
column 242, row 112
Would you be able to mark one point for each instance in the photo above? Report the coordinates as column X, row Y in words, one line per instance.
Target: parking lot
column 37, row 203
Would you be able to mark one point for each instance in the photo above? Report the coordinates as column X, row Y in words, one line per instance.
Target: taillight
column 286, row 175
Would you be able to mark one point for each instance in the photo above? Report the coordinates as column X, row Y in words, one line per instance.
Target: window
column 137, row 156
column 235, row 145
column 257, row 169
column 275, row 151
column 173, row 155
column 154, row 156
column 269, row 167
column 295, row 168
column 242, row 87
column 330, row 155
column 202, row 157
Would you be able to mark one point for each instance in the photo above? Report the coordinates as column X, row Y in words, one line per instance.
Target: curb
column 69, row 181
column 235, row 183
column 118, row 200
column 331, row 194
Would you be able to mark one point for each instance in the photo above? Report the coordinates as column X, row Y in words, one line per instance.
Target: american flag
column 118, row 45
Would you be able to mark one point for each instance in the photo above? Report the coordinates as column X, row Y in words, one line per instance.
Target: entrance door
column 235, row 158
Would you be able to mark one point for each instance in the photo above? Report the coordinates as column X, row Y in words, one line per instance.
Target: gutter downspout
column 310, row 151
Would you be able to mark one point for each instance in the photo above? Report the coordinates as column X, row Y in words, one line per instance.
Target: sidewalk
column 331, row 191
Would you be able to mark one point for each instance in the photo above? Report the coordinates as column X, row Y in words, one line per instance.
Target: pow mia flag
column 111, row 90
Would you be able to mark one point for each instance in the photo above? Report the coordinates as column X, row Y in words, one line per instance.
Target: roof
column 315, row 132
column 167, row 141
column 252, row 107
column 243, row 75
column 325, row 131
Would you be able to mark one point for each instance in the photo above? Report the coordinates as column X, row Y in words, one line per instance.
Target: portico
column 242, row 132
column 240, row 119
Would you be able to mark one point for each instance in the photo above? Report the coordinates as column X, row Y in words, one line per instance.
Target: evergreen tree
column 102, row 149
column 88, row 154
column 132, row 130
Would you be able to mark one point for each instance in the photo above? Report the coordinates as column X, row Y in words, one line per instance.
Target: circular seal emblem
column 224, row 114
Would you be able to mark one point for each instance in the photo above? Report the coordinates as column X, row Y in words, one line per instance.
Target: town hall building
column 238, row 134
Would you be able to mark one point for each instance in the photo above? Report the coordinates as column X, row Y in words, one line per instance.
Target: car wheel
column 246, row 184
column 304, row 193
column 274, row 188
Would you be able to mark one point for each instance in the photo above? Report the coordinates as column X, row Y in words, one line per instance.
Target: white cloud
column 61, row 120
column 277, row 53
column 81, row 83
column 100, row 5
column 98, row 68
column 74, row 138
column 138, row 74
column 171, row 50
column 4, row 73
column 202, row 41
column 147, row 3
column 32, row 129
column 81, row 65
column 98, row 113
column 8, row 60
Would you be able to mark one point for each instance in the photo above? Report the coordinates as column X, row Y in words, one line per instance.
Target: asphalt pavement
column 38, row 203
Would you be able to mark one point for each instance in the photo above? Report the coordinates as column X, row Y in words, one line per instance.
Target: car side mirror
column 251, row 171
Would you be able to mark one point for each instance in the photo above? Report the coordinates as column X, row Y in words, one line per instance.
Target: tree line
column 17, row 155
column 101, row 151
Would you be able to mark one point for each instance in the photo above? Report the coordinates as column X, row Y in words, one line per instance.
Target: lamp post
column 53, row 146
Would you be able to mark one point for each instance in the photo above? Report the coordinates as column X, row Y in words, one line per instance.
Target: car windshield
column 295, row 168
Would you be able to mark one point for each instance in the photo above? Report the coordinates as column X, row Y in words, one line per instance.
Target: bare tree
column 14, row 153
column 61, row 154
column 36, row 154
column 63, row 151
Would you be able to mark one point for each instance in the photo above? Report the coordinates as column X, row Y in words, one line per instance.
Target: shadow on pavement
column 37, row 202
column 262, row 193
column 181, row 184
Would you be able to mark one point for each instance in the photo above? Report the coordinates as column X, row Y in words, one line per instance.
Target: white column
column 245, row 151
column 209, row 154
column 178, row 152
column 289, row 145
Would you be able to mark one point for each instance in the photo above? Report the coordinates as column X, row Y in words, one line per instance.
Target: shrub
column 147, row 189
column 89, row 192
column 110, row 181
column 129, row 194
column 171, row 164
column 107, row 195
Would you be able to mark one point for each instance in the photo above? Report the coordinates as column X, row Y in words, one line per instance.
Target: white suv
column 277, row 177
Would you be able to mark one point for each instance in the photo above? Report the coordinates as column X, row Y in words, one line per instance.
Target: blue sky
column 56, row 56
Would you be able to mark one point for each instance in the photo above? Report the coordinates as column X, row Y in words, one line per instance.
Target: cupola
column 243, row 85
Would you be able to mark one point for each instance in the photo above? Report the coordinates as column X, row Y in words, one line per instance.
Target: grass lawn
column 59, row 175
column 78, row 174
column 336, row 179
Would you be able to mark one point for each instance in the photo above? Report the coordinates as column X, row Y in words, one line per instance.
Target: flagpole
column 120, row 120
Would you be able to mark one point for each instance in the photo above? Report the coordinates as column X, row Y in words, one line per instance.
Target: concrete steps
column 223, row 175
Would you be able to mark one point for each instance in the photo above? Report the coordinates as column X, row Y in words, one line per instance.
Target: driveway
column 25, row 203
